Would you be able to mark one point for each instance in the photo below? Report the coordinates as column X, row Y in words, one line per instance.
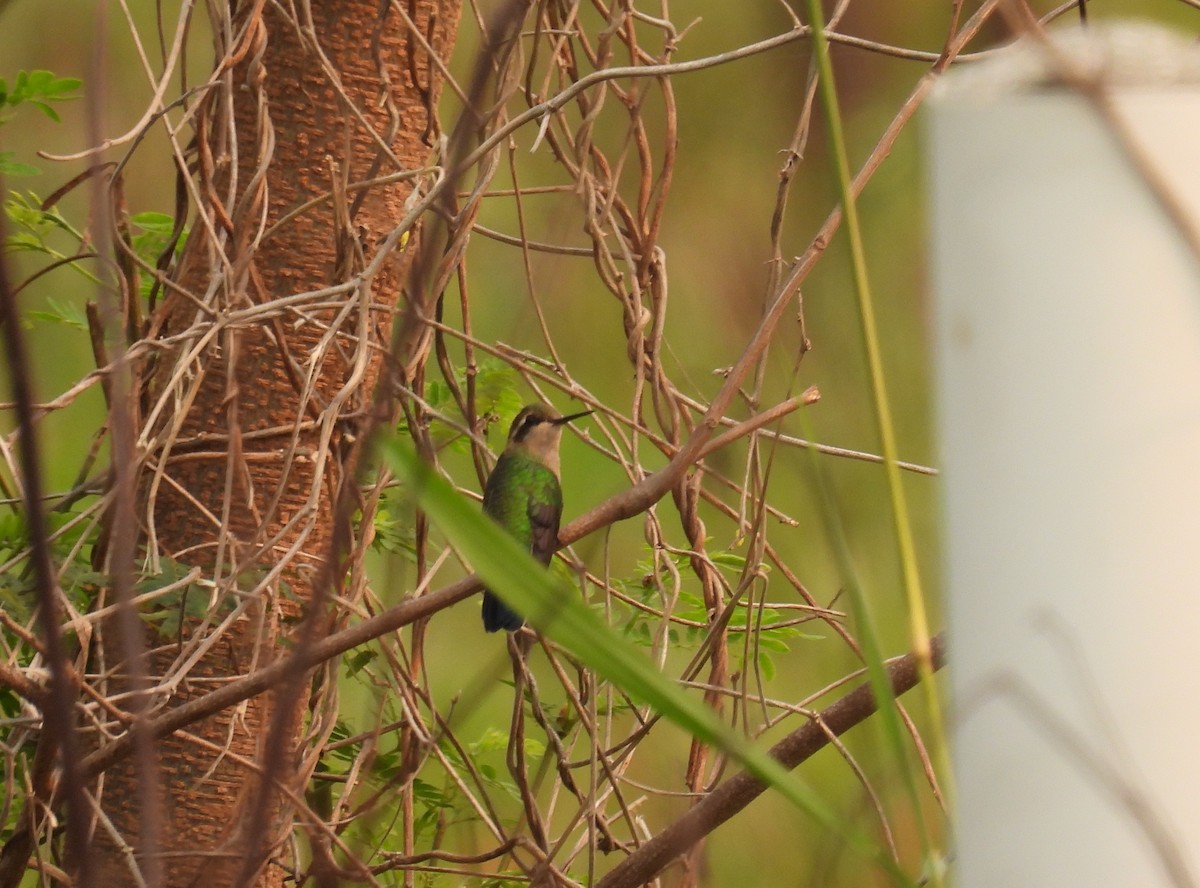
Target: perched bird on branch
column 524, row 497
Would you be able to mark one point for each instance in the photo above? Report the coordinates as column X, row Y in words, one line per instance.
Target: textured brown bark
column 246, row 460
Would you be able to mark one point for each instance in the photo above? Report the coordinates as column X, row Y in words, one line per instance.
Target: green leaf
column 359, row 661
column 15, row 595
column 10, row 167
column 728, row 560
column 25, row 210
column 23, row 242
column 38, row 81
column 169, row 611
column 153, row 235
column 38, row 87
column 767, row 643
column 46, row 109
column 534, row 748
column 10, row 704
column 20, row 88
column 62, row 313
column 490, row 740
column 60, row 86
column 510, row 572
column 160, row 223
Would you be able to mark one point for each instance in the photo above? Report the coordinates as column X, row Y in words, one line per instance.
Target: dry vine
column 561, row 145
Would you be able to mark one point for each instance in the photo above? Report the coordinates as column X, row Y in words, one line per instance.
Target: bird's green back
column 524, row 497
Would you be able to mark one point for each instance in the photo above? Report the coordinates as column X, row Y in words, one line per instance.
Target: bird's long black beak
column 563, row 420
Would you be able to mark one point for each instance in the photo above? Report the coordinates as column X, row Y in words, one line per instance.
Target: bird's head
column 537, row 430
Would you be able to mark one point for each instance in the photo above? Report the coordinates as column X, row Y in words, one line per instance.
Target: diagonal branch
column 736, row 793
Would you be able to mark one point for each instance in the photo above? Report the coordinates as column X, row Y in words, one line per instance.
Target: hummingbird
column 523, row 495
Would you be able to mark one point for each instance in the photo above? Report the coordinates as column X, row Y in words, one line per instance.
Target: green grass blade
column 918, row 619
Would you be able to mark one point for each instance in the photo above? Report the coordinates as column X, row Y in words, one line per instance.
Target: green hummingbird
column 523, row 495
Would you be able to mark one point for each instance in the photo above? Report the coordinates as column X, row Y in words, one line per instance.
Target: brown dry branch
column 736, row 793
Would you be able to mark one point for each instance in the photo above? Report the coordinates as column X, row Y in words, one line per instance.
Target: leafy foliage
column 152, row 239
column 71, row 539
column 39, row 89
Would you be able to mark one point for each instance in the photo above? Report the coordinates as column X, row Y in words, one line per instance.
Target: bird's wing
column 543, row 517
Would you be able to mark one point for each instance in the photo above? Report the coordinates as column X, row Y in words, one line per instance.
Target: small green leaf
column 62, row 313
column 429, row 794
column 20, row 88
column 38, row 81
column 534, row 748
column 728, row 560
column 490, row 741
column 60, row 86
column 198, row 605
column 46, row 109
column 10, row 704
column 10, row 167
column 160, row 223
column 766, row 642
column 766, row 666
column 360, row 661
column 38, row 87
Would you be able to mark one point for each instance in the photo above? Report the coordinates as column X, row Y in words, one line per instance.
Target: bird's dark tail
column 498, row 615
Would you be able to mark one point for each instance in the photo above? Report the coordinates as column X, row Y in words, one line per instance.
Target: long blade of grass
column 918, row 619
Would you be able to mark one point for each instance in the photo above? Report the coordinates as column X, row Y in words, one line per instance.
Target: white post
column 1067, row 330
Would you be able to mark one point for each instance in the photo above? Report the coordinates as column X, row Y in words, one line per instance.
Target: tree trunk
column 249, row 411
